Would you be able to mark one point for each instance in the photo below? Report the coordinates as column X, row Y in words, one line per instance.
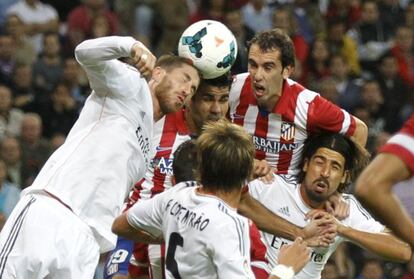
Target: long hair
column 356, row 157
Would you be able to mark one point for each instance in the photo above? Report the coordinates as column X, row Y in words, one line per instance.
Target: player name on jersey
column 186, row 216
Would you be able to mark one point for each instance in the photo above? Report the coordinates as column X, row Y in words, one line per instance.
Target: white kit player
column 209, row 103
column 204, row 235
column 62, row 223
column 278, row 112
column 395, row 163
column 330, row 161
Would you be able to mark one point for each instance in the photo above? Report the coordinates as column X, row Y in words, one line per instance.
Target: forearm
column 122, row 228
column 266, row 220
column 93, row 51
column 382, row 244
column 361, row 132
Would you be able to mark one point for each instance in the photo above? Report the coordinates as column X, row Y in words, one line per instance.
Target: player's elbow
column 407, row 253
column 120, row 225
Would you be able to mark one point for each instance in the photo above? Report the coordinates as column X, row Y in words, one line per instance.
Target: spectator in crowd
column 7, row 58
column 348, row 12
column 403, row 51
column 175, row 19
column 392, row 14
column 60, row 113
column 10, row 117
column 23, row 91
column 342, row 44
column 410, row 270
column 372, row 269
column 11, row 153
column 38, row 18
column 309, row 19
column 47, row 70
column 81, row 18
column 317, row 65
column 71, row 77
column 397, row 97
column 210, row 9
column 234, row 21
column 282, row 18
column 25, row 51
column 371, row 35
column 257, row 15
column 35, row 149
column 347, row 87
column 9, row 192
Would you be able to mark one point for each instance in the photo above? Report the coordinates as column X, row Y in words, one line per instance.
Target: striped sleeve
column 326, row 116
column 402, row 146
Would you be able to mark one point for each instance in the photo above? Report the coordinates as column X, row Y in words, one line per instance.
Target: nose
column 258, row 76
column 326, row 171
column 186, row 89
column 215, row 107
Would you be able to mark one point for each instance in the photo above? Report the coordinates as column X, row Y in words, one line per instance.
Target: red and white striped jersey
column 402, row 144
column 279, row 135
column 169, row 133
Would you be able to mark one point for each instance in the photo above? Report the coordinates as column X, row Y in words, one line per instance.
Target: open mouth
column 259, row 90
column 321, row 187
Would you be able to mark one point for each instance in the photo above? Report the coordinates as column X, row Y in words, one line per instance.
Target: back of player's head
column 356, row 157
column 225, row 154
column 184, row 161
column 170, row 61
column 276, row 39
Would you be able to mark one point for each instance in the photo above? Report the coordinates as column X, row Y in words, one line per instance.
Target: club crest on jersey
column 287, row 131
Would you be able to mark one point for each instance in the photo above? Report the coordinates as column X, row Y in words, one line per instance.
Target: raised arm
column 361, row 132
column 107, row 75
column 374, row 189
column 384, row 245
column 315, row 233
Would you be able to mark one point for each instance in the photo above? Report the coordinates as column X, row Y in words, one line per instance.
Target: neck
column 191, row 125
column 158, row 114
column 308, row 201
column 231, row 198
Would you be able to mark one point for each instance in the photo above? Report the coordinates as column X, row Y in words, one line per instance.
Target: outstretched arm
column 316, row 233
column 384, row 245
column 374, row 189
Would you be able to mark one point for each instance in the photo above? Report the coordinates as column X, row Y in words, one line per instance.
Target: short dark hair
column 276, row 39
column 184, row 161
column 225, row 154
column 356, row 157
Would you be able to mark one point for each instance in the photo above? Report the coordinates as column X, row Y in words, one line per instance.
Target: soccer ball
column 210, row 45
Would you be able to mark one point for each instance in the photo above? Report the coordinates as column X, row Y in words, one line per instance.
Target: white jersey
column 205, row 238
column 283, row 198
column 108, row 148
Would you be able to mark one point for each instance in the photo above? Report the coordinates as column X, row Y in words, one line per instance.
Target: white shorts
column 42, row 238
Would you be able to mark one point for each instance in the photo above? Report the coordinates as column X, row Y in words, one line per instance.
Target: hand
column 143, row 59
column 263, row 171
column 337, row 206
column 321, row 230
column 295, row 255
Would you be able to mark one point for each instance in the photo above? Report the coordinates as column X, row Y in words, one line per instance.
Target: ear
column 158, row 74
column 345, row 177
column 287, row 71
column 305, row 165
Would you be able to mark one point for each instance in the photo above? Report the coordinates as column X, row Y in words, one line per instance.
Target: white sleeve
column 231, row 250
column 360, row 219
column 256, row 188
column 98, row 57
column 148, row 214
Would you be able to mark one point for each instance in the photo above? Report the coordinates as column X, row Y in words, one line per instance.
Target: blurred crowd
column 358, row 54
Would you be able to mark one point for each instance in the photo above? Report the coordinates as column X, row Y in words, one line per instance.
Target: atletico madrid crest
column 287, row 131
